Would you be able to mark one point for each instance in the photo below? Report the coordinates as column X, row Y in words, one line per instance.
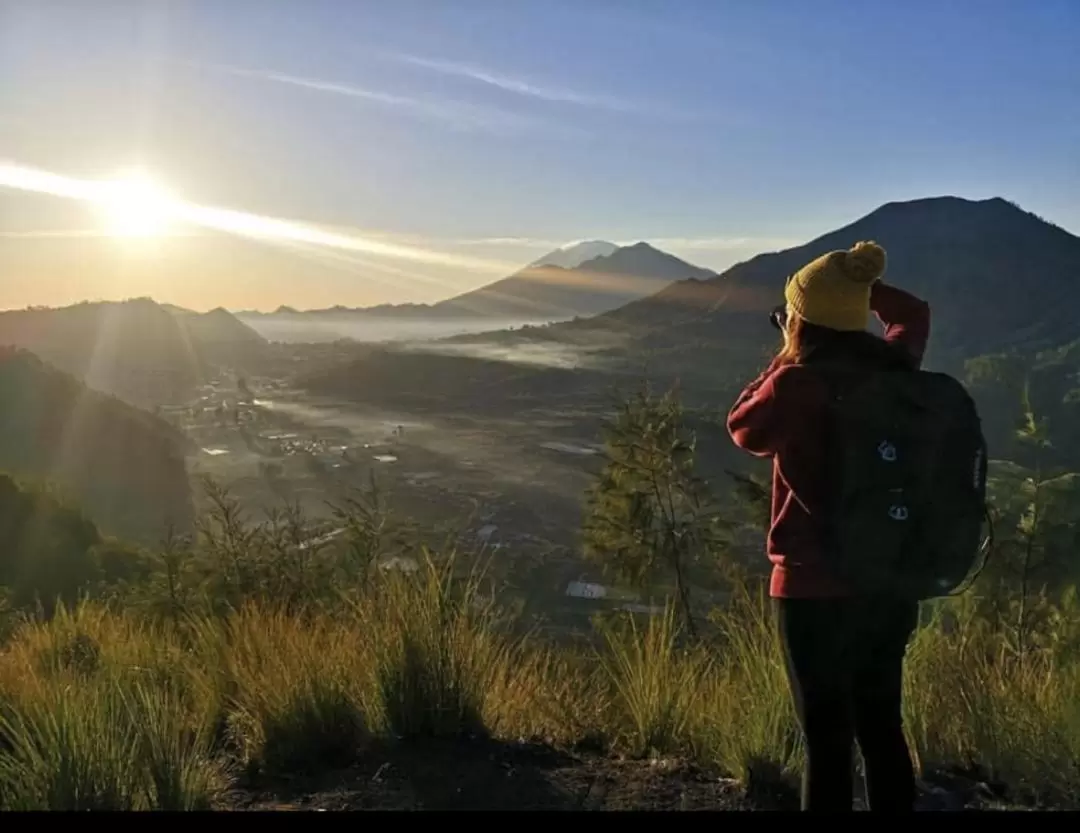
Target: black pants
column 845, row 662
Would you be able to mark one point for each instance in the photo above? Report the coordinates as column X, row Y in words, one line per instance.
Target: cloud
column 455, row 114
column 512, row 84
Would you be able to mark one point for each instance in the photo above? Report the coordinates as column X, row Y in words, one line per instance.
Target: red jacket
column 780, row 415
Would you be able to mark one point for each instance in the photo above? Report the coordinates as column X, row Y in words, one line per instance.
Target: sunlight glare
column 134, row 206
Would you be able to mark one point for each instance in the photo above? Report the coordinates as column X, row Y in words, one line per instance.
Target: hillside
column 141, row 351
column 124, row 466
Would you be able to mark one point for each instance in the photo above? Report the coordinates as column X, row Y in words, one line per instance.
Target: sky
column 433, row 146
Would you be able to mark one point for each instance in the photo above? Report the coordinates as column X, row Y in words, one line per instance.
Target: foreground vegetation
column 103, row 707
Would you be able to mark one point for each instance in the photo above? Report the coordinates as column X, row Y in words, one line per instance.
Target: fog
column 544, row 354
column 311, row 329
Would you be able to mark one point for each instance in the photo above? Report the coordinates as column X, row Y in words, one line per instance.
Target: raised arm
column 756, row 420
column 905, row 318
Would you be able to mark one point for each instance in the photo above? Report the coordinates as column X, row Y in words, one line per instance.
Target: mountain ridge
column 997, row 279
column 138, row 350
column 994, row 274
column 593, row 285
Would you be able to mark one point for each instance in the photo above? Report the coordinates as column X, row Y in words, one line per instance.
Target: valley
column 506, row 484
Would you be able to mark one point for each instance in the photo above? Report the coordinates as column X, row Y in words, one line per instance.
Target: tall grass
column 102, row 709
column 102, row 744
column 289, row 688
column 970, row 704
column 657, row 684
column 436, row 652
column 750, row 727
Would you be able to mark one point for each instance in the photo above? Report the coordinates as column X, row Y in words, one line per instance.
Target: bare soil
column 490, row 776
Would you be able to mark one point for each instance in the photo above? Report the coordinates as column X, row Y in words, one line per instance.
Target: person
column 844, row 652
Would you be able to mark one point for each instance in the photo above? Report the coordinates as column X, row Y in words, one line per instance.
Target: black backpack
column 907, row 472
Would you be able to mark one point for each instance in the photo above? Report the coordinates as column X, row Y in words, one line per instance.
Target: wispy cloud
column 512, row 84
column 458, row 115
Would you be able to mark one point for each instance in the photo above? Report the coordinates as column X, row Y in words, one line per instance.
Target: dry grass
column 103, row 710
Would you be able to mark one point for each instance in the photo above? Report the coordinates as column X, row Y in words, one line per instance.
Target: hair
column 794, row 347
column 803, row 338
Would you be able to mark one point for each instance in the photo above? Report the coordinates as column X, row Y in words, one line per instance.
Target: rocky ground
column 488, row 776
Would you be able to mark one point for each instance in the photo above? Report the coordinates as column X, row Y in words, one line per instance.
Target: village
column 272, row 444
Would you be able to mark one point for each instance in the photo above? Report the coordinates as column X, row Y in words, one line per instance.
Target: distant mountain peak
column 644, row 259
column 572, row 256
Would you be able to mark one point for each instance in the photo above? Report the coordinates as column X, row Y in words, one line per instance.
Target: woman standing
column 844, row 652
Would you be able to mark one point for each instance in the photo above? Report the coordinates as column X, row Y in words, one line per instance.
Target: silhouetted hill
column 996, row 277
column 124, row 466
column 141, row 351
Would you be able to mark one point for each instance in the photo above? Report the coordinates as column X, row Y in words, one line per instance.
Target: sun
column 134, row 206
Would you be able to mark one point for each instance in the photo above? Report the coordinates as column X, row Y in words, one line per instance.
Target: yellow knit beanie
column 834, row 290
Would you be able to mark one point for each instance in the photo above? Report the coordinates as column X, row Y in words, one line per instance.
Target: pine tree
column 1037, row 510
column 650, row 519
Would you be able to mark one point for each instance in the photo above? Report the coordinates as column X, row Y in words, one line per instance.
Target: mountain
column 996, row 277
column 139, row 350
column 570, row 257
column 538, row 294
column 123, row 466
column 552, row 292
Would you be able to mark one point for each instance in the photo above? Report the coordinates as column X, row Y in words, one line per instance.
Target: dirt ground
column 437, row 775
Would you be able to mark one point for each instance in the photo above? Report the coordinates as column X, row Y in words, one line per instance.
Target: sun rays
column 135, row 206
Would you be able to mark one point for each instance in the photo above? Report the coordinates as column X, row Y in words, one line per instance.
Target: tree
column 650, row 518
column 1037, row 510
column 46, row 554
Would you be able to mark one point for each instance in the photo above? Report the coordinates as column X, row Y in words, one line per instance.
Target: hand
column 875, row 293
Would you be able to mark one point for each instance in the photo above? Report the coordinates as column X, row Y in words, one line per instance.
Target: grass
column 103, row 709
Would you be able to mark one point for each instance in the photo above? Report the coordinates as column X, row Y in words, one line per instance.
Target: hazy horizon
column 361, row 153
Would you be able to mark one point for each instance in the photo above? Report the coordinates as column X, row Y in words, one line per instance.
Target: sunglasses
column 778, row 317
